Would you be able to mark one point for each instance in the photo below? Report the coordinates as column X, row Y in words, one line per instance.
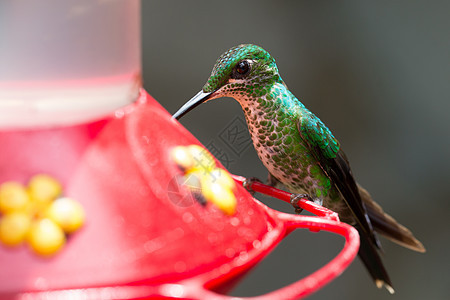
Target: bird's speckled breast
column 273, row 126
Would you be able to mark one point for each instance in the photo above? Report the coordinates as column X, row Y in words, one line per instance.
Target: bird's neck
column 270, row 101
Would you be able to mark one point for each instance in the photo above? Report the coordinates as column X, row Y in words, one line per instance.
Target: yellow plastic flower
column 13, row 197
column 46, row 237
column 202, row 177
column 203, row 160
column 14, row 228
column 67, row 213
column 182, row 157
column 43, row 189
column 221, row 196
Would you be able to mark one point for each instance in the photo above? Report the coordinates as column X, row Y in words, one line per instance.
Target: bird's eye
column 243, row 67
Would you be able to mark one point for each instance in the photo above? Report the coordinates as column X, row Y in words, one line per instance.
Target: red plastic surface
column 143, row 237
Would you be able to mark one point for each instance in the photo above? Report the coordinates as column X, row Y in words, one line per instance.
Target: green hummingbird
column 299, row 151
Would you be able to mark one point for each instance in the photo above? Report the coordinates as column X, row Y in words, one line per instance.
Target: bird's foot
column 247, row 184
column 294, row 201
column 272, row 181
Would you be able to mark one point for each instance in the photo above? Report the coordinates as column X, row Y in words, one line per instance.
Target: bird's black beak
column 191, row 104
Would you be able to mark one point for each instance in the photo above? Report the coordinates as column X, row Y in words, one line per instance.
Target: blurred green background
column 376, row 72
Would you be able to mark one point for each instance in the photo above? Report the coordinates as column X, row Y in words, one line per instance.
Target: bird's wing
column 326, row 149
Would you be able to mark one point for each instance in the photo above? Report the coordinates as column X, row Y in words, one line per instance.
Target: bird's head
column 242, row 72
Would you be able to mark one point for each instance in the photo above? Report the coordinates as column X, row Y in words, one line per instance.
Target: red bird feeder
column 143, row 236
column 95, row 203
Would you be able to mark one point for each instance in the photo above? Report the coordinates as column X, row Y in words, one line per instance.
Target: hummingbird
column 299, row 150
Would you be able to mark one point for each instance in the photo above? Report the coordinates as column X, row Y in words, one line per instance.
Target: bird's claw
column 247, row 184
column 295, row 198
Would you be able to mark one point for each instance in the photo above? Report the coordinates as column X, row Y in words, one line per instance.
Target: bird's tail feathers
column 388, row 226
column 372, row 260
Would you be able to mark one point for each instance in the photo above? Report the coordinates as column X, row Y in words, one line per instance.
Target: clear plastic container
column 66, row 62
